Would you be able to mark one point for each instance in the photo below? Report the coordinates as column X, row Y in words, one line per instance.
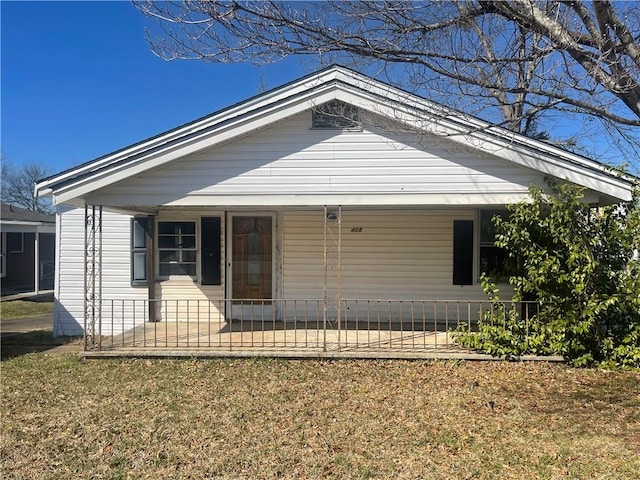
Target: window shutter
column 463, row 252
column 210, row 254
column 139, row 234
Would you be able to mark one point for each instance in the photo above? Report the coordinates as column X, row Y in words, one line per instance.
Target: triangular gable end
column 329, row 85
column 298, row 163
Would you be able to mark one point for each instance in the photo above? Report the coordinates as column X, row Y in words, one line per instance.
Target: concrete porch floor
column 278, row 339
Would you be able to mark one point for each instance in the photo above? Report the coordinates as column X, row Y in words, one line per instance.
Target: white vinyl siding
column 285, row 113
column 293, row 163
column 187, row 300
column 116, row 265
column 386, row 254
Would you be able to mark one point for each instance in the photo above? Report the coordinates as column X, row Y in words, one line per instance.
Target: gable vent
column 335, row 115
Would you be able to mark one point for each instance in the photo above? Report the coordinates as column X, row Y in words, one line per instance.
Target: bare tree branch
column 602, row 65
column 18, row 187
column 521, row 59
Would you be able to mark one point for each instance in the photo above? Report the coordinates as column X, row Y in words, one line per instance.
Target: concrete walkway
column 13, row 326
column 43, row 296
column 19, row 336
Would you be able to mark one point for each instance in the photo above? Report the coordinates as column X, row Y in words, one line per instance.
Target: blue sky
column 79, row 80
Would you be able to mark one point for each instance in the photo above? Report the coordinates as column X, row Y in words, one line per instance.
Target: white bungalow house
column 332, row 203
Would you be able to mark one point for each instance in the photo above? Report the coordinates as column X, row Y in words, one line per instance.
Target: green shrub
column 503, row 331
column 581, row 264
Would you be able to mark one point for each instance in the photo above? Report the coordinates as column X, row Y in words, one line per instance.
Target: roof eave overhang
column 26, row 223
column 381, row 99
column 258, row 102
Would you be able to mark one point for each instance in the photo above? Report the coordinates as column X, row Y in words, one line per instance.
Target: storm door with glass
column 252, row 258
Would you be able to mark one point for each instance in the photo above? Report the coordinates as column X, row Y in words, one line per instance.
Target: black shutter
column 463, row 252
column 139, row 234
column 210, row 255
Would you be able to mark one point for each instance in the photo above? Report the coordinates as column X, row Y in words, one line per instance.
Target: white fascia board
column 531, row 154
column 280, row 94
column 23, row 222
column 351, row 87
column 28, row 227
column 77, row 202
column 42, row 192
column 169, row 152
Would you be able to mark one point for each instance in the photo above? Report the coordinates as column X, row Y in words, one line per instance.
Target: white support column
column 36, row 261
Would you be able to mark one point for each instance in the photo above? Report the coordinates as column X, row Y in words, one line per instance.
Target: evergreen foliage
column 581, row 264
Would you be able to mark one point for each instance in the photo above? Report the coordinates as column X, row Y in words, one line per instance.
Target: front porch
column 288, row 328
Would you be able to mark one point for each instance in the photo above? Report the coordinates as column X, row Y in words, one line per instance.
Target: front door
column 252, row 259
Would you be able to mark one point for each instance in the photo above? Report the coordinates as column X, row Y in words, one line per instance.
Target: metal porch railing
column 355, row 325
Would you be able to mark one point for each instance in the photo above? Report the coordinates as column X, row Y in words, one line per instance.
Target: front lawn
column 65, row 418
column 24, row 308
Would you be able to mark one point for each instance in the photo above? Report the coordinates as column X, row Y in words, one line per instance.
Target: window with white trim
column 177, row 251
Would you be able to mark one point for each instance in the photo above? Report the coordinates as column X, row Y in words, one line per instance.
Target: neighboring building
column 331, row 188
column 27, row 251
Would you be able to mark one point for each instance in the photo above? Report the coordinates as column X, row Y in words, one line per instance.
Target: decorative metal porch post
column 92, row 276
column 332, row 290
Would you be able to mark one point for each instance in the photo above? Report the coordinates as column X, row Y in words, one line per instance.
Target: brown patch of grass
column 236, row 419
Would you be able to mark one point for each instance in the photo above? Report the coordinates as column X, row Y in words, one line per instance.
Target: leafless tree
column 18, row 183
column 518, row 63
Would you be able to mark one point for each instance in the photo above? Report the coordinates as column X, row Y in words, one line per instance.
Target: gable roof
column 332, row 83
column 18, row 215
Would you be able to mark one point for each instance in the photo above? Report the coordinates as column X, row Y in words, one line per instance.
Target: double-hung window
column 494, row 261
column 177, row 248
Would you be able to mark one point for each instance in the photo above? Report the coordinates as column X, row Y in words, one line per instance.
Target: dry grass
column 24, row 308
column 240, row 419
